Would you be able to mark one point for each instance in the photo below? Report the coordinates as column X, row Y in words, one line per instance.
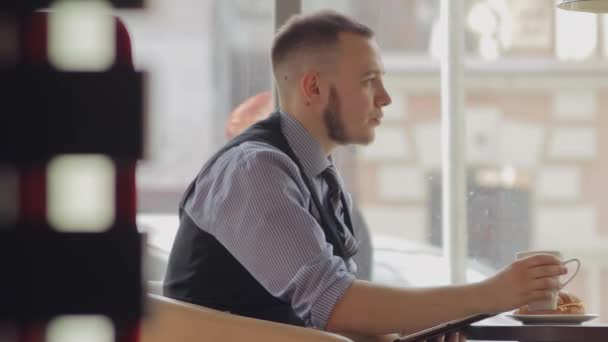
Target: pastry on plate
column 567, row 304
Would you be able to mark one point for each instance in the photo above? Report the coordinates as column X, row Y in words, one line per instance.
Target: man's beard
column 332, row 116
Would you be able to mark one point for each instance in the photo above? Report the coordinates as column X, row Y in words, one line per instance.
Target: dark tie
column 333, row 200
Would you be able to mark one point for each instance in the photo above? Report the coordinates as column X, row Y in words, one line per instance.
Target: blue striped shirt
column 254, row 201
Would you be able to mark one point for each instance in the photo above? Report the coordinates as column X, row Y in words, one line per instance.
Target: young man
column 265, row 227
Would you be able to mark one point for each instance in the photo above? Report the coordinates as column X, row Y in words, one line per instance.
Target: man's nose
column 383, row 99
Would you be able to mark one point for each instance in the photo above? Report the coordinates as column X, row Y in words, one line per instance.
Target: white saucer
column 553, row 319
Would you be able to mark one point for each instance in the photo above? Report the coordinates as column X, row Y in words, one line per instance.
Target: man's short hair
column 316, row 30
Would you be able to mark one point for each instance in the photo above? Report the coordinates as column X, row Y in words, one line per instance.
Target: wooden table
column 538, row 333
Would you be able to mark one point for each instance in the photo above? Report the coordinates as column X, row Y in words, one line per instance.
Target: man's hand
column 522, row 282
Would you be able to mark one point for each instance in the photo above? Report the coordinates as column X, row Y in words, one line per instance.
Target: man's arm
column 373, row 309
column 369, row 308
column 257, row 207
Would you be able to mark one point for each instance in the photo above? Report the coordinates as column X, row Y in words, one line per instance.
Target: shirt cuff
column 322, row 309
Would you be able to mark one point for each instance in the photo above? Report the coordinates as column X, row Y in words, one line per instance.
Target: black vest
column 203, row 272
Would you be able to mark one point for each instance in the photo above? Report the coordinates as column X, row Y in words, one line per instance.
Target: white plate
column 552, row 319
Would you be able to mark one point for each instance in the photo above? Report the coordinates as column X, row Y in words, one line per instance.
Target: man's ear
column 310, row 87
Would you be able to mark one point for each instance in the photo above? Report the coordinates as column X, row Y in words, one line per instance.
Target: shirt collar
column 305, row 146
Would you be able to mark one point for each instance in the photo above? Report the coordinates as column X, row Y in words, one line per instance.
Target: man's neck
column 314, row 127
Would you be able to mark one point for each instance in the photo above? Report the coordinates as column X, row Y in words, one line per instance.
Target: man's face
column 355, row 99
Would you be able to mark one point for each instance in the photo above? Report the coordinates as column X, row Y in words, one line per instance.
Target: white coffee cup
column 551, row 303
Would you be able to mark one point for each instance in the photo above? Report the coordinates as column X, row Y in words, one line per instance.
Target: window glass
column 517, row 29
column 536, row 138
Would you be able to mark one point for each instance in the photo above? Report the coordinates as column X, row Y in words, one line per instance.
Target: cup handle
column 578, row 267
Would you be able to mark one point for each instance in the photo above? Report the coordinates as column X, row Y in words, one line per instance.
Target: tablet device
column 444, row 329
